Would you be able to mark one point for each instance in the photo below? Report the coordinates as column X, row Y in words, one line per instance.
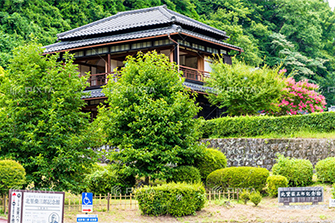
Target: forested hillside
column 297, row 33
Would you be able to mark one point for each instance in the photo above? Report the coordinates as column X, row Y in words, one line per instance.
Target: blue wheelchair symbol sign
column 87, row 202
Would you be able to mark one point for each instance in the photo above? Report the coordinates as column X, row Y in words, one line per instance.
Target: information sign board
column 28, row 206
column 87, row 218
column 289, row 195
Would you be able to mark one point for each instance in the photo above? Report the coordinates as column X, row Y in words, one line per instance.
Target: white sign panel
column 36, row 207
column 16, row 207
column 331, row 203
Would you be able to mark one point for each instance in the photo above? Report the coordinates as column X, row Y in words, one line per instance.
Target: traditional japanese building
column 102, row 46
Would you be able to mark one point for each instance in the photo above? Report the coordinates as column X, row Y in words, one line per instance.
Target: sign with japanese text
column 36, row 206
column 87, row 218
column 288, row 195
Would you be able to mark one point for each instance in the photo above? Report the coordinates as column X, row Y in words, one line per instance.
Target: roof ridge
column 196, row 21
column 110, row 17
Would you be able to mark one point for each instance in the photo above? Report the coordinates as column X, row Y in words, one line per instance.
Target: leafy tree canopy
column 150, row 117
column 41, row 120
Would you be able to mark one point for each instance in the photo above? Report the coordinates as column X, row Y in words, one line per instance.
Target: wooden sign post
column 289, row 195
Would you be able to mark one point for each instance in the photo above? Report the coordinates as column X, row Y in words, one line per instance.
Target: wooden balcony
column 194, row 74
column 100, row 79
column 96, row 80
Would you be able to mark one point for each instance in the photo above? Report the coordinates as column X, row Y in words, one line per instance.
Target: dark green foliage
column 176, row 199
column 299, row 172
column 211, row 160
column 110, row 179
column 238, row 177
column 245, row 196
column 12, row 176
column 325, row 170
column 41, row 122
column 274, row 182
column 150, row 117
column 248, row 126
column 188, row 174
column 256, row 197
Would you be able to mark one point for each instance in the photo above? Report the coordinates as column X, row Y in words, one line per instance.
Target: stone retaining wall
column 262, row 152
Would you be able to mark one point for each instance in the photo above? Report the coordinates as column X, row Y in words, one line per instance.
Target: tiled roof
column 64, row 45
column 91, row 41
column 135, row 19
column 96, row 93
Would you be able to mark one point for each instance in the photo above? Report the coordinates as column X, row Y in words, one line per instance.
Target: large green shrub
column 12, row 175
column 211, row 160
column 274, row 182
column 188, row 174
column 325, row 170
column 238, row 177
column 176, row 199
column 110, row 179
column 299, row 172
column 245, row 126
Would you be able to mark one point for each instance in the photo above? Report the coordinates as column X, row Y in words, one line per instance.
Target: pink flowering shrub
column 301, row 97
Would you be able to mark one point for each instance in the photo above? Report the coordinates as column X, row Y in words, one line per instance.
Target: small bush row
column 238, row 177
column 176, row 199
column 247, row 126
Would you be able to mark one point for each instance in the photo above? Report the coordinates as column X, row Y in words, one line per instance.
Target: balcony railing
column 194, row 74
column 189, row 73
column 101, row 79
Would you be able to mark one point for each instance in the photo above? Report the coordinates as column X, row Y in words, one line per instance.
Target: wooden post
column 219, row 195
column 120, row 199
column 4, row 203
column 79, row 204
column 237, row 194
column 209, row 194
column 100, row 200
column 108, row 202
column 69, row 203
column 228, row 194
column 130, row 198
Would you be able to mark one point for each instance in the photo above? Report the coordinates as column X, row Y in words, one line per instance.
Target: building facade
column 101, row 47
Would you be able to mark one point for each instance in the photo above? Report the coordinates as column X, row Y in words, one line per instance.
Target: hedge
column 238, row 177
column 12, row 176
column 211, row 160
column 299, row 172
column 325, row 170
column 247, row 126
column 188, row 174
column 274, row 182
column 176, row 199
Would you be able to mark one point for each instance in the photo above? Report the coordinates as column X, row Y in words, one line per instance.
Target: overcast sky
column 332, row 3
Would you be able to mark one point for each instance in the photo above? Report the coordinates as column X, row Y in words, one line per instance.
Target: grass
column 298, row 134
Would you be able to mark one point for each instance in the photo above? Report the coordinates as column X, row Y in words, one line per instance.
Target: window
column 118, row 48
column 223, row 51
column 184, row 42
column 141, row 45
column 79, row 54
column 162, row 42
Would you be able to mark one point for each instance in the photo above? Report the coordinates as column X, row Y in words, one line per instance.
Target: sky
column 332, row 3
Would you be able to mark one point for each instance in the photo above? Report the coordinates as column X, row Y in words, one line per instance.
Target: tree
column 242, row 89
column 301, row 97
column 150, row 117
column 42, row 125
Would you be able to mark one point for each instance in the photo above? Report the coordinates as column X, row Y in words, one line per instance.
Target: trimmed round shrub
column 325, row 170
column 211, row 160
column 188, row 174
column 256, row 197
column 299, row 172
column 110, row 180
column 274, row 182
column 245, row 196
column 176, row 199
column 12, row 176
column 238, row 177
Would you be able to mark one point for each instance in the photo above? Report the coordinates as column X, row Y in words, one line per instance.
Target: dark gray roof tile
column 135, row 19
